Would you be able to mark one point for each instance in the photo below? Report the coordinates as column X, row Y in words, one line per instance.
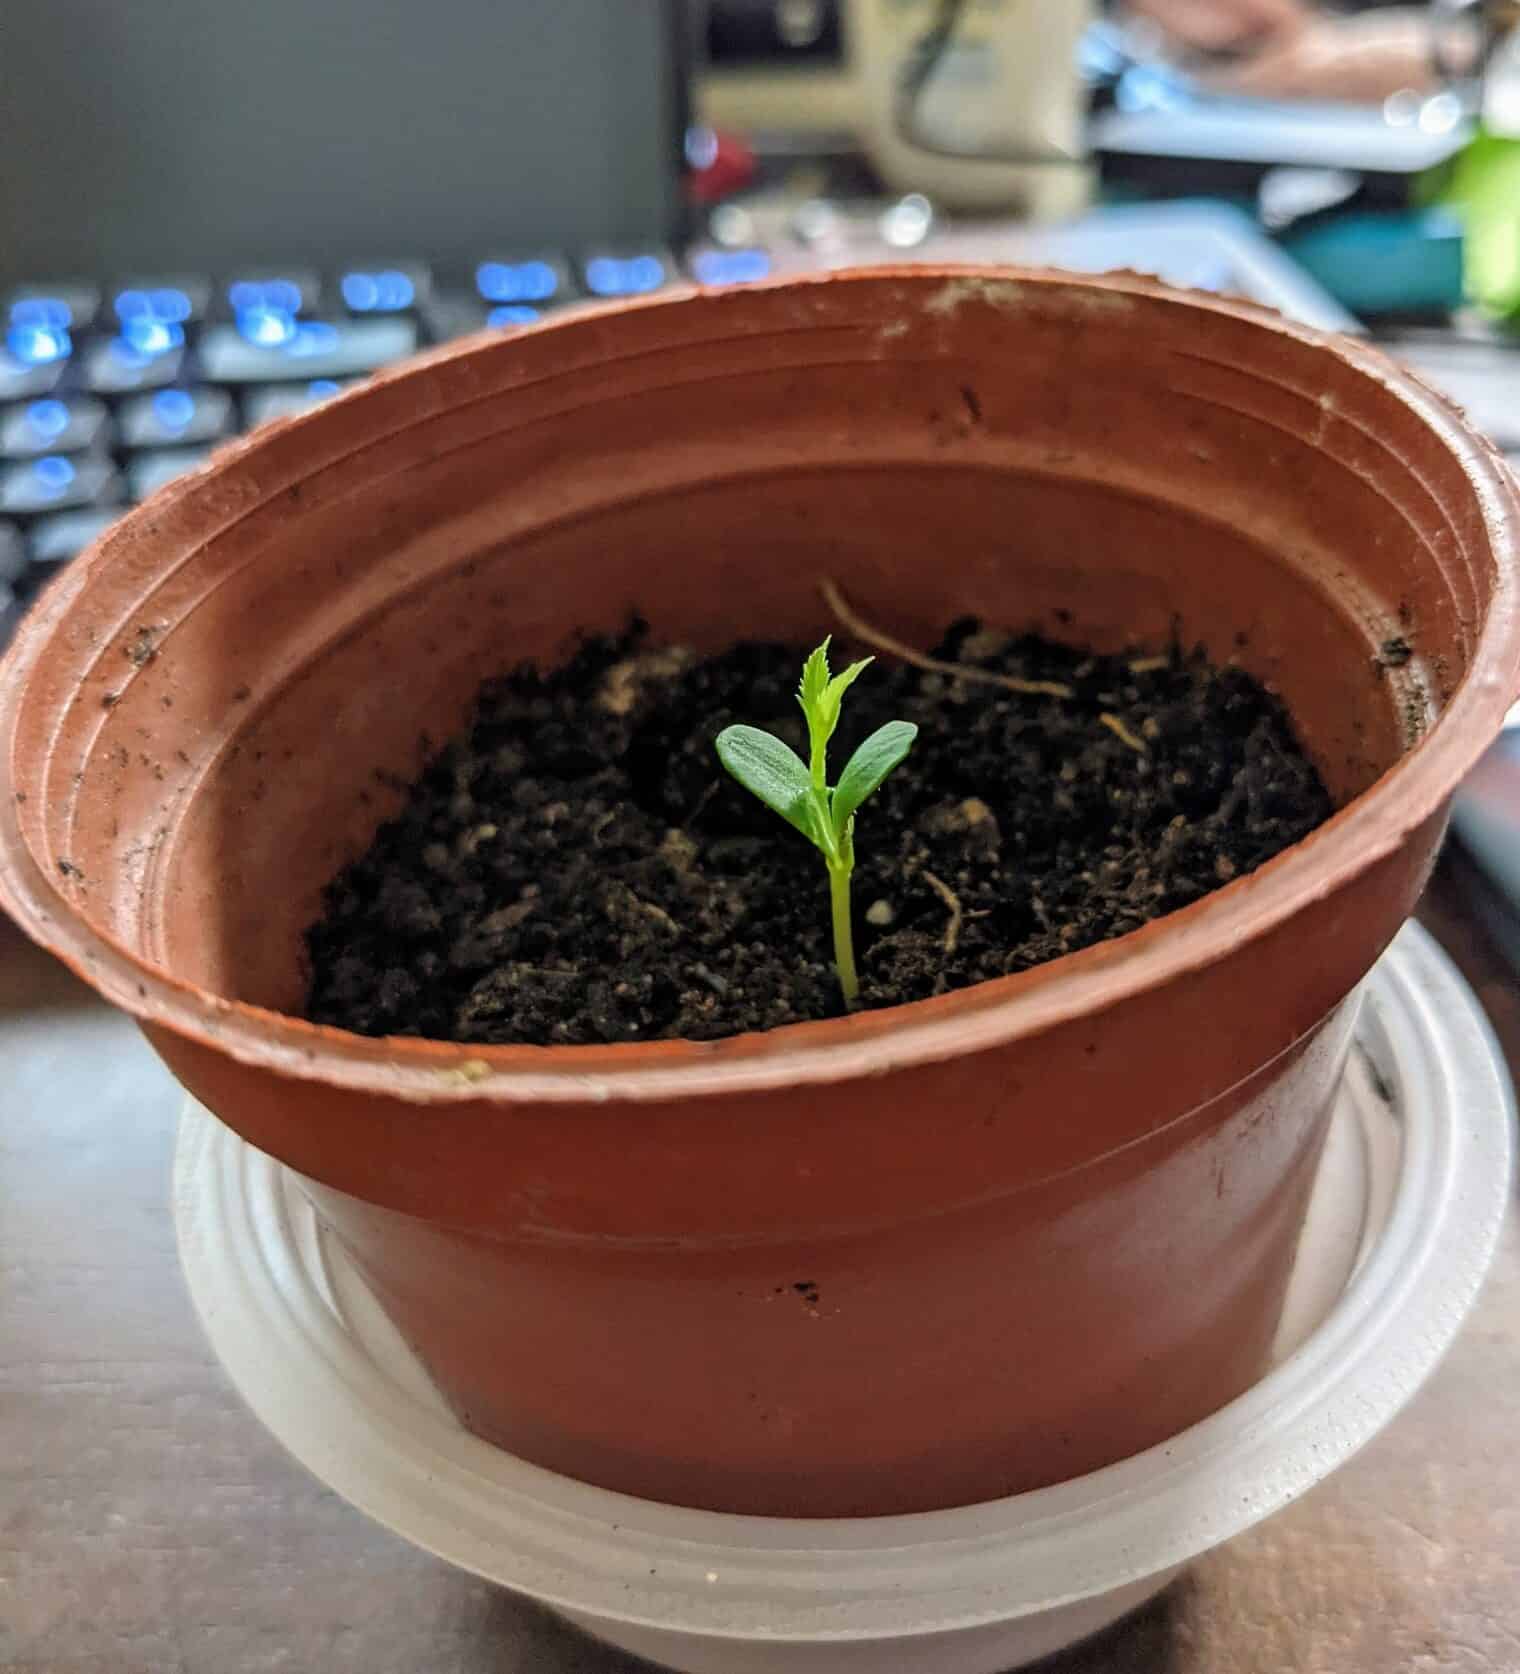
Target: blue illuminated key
column 69, row 305
column 149, row 472
column 538, row 281
column 36, row 340
column 385, row 287
column 12, row 554
column 508, row 314
column 144, row 355
column 716, row 266
column 36, row 428
column 170, row 417
column 287, row 290
column 610, row 274
column 57, row 481
column 146, row 334
column 268, row 308
column 33, row 343
column 52, row 425
column 54, row 540
column 275, row 401
column 312, row 349
column 448, row 317
column 182, row 299
column 268, row 328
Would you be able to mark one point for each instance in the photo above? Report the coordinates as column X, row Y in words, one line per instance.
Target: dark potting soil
column 578, row 868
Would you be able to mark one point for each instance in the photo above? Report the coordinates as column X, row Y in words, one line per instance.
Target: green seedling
column 799, row 791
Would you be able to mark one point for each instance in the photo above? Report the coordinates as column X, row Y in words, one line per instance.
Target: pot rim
column 990, row 1014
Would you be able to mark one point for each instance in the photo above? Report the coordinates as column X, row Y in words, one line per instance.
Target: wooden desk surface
column 149, row 1525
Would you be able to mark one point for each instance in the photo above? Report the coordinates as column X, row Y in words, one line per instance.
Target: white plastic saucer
column 1406, row 1215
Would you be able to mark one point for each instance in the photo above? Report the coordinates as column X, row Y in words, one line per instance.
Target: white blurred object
column 998, row 122
column 1476, row 48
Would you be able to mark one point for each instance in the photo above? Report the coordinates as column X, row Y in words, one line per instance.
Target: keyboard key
column 54, row 540
column 267, row 328
column 179, row 300
column 37, row 343
column 385, row 288
column 146, row 356
column 508, row 314
column 149, row 472
column 536, row 280
column 50, row 425
column 314, row 349
column 69, row 305
column 266, row 306
column 609, row 274
column 12, row 554
column 292, row 290
column 144, row 334
column 456, row 316
column 22, row 380
column 715, row 266
column 56, row 481
column 36, row 340
column 452, row 315
column 275, row 401
column 169, row 417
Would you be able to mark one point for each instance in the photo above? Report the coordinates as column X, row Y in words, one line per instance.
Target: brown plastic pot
column 906, row 1260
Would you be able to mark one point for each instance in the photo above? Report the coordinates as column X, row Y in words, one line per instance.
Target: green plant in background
column 1482, row 184
column 800, row 791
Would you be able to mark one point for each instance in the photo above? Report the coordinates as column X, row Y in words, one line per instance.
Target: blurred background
column 215, row 214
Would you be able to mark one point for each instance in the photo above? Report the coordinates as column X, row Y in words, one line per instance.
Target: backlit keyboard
column 107, row 392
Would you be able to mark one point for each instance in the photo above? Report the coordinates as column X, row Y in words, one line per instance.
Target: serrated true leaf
column 815, row 679
column 833, row 696
column 870, row 764
column 770, row 770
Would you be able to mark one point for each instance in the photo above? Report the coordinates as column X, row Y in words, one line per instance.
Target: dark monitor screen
column 202, row 134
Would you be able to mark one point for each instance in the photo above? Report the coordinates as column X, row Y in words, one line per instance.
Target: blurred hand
column 1214, row 26
column 1360, row 59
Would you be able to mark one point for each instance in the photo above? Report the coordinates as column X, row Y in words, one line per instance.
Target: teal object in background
column 1385, row 262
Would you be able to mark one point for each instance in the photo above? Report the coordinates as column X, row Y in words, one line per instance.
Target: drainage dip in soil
column 577, row 867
